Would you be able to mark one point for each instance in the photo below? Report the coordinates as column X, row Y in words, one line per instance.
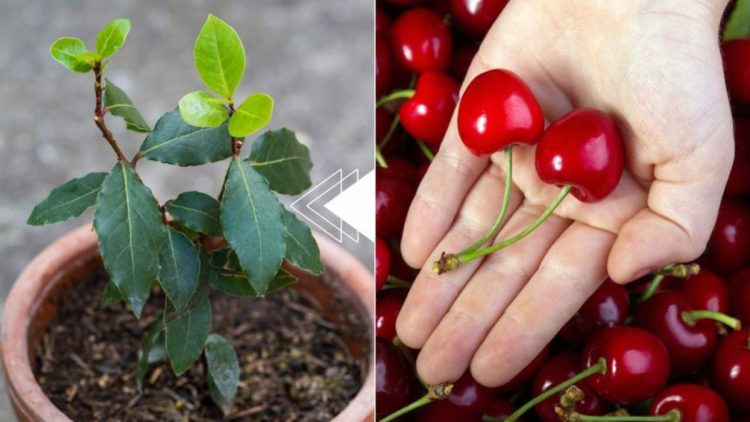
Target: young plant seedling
column 144, row 244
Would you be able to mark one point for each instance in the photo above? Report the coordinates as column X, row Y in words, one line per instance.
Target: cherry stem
column 396, row 283
column 672, row 416
column 503, row 210
column 408, row 408
column 380, row 159
column 652, row 287
column 599, row 368
column 692, row 317
column 425, row 150
column 395, row 95
column 391, row 131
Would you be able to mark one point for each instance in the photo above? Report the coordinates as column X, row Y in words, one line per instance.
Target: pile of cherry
column 672, row 346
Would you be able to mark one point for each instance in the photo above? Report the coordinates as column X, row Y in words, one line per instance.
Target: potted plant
column 182, row 266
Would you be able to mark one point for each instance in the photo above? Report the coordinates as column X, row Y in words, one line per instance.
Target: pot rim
column 30, row 288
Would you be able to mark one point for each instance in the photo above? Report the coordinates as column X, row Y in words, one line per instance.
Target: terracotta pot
column 31, row 305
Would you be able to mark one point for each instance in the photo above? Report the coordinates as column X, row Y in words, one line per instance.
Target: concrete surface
column 313, row 57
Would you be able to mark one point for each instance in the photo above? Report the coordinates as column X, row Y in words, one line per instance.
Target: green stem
column 599, row 368
column 504, row 209
column 391, row 131
column 652, row 287
column 396, row 283
column 380, row 159
column 466, row 257
column 425, row 150
column 692, row 317
column 673, row 416
column 393, row 96
column 408, row 408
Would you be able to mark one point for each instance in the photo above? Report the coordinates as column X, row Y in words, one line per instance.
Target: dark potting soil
column 295, row 365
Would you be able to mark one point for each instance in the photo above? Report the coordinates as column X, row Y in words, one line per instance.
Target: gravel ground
column 313, row 57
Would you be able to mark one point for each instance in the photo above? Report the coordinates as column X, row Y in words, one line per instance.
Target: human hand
column 652, row 64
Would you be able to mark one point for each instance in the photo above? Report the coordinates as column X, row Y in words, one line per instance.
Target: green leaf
column 251, row 223
column 175, row 142
column 738, row 24
column 67, row 50
column 112, row 37
column 155, row 334
column 89, row 58
column 180, row 268
column 186, row 334
column 68, row 200
column 219, row 56
column 254, row 113
column 227, row 276
column 131, row 233
column 223, row 369
column 301, row 247
column 282, row 160
column 201, row 109
column 118, row 103
column 196, row 211
column 110, row 295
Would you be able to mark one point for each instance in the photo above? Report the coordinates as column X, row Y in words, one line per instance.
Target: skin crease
column 636, row 60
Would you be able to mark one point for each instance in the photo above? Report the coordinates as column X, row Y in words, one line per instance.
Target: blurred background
column 314, row 57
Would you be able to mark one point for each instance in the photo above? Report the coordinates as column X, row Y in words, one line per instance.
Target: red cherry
column 729, row 245
column 428, row 112
column 420, row 41
column 383, row 120
column 583, row 149
column 401, row 168
column 694, row 402
column 608, row 306
column 382, row 262
column 392, row 199
column 706, row 290
column 462, row 59
column 689, row 346
column 525, row 375
column 637, row 364
column 497, row 110
column 403, row 2
column 475, row 17
column 730, row 371
column 393, row 378
column 736, row 55
column 739, row 285
column 421, row 171
column 500, row 408
column 466, row 402
column 382, row 67
column 739, row 177
column 382, row 22
column 556, row 370
column 388, row 306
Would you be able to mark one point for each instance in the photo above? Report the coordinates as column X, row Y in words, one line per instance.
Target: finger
column 446, row 355
column 572, row 270
column 431, row 295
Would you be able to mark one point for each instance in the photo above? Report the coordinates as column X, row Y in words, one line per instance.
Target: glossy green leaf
column 201, row 109
column 282, row 160
column 196, row 211
column 155, row 335
column 110, row 295
column 118, row 103
column 89, row 58
column 301, row 247
column 738, row 24
column 131, row 233
column 251, row 223
column 186, row 334
column 180, row 268
column 223, row 369
column 68, row 200
column 219, row 56
column 175, row 142
column 227, row 276
column 112, row 37
column 66, row 51
column 254, row 113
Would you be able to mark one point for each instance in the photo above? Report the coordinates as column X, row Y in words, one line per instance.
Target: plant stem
column 396, row 283
column 408, row 408
column 380, row 159
column 504, row 208
column 425, row 150
column 599, row 368
column 652, row 287
column 692, row 317
column 391, row 131
column 236, row 142
column 99, row 114
column 673, row 416
column 393, row 96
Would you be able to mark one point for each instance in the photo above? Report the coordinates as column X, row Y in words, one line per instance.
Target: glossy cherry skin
column 428, row 112
column 637, row 364
column 694, row 402
column 730, row 370
column 475, row 17
column 729, row 245
column 739, row 177
column 420, row 41
column 523, row 377
column 736, row 54
column 393, row 378
column 706, row 290
column 497, row 110
column 466, row 402
column 382, row 262
column 389, row 303
column 689, row 346
column 583, row 149
column 382, row 67
column 401, row 168
column 608, row 306
column 392, row 199
column 556, row 370
column 500, row 408
column 739, row 285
